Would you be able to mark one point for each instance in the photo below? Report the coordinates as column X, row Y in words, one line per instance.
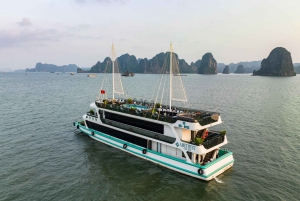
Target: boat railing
column 213, row 141
column 92, row 115
column 150, row 113
column 161, row 114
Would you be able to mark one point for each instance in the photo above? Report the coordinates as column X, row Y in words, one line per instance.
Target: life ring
column 124, row 146
column 144, row 151
column 93, row 133
column 77, row 126
column 200, row 171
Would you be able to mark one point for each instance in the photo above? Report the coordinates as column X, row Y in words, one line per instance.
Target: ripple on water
column 43, row 157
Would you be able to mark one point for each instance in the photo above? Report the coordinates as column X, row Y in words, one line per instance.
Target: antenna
column 171, row 51
column 113, row 71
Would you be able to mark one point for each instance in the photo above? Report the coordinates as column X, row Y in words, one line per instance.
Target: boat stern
column 217, row 166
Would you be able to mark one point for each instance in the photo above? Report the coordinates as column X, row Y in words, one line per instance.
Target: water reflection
column 120, row 175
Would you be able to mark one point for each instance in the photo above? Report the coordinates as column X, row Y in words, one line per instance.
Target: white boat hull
column 209, row 171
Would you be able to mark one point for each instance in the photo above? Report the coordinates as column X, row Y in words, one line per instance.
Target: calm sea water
column 43, row 157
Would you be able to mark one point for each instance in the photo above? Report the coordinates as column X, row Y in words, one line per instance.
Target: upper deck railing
column 159, row 112
column 209, row 143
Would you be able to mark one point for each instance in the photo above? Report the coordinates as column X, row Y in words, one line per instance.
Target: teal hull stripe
column 159, row 154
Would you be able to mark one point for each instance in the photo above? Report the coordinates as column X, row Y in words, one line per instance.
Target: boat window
column 149, row 146
column 159, row 128
column 101, row 114
column 193, row 135
column 124, row 136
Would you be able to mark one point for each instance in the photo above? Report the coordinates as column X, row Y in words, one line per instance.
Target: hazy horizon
column 81, row 31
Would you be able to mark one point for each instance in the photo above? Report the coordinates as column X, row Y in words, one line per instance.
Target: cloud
column 25, row 22
column 101, row 1
column 79, row 27
column 14, row 38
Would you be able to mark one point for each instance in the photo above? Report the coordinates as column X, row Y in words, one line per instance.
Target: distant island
column 249, row 66
column 278, row 63
column 240, row 70
column 297, row 69
column 206, row 65
column 39, row 67
column 226, row 70
column 131, row 64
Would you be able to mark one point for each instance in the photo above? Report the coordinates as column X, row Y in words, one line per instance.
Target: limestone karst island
column 278, row 63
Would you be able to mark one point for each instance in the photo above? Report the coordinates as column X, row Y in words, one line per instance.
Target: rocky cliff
column 240, row 70
column 155, row 64
column 226, row 70
column 278, row 63
column 208, row 64
column 130, row 63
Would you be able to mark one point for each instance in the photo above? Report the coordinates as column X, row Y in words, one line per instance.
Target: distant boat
column 71, row 73
column 92, row 75
column 128, row 74
column 179, row 75
column 51, row 72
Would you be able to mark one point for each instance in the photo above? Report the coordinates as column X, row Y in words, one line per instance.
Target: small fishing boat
column 128, row 74
column 92, row 75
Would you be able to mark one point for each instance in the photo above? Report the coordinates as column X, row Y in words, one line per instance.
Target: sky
column 81, row 31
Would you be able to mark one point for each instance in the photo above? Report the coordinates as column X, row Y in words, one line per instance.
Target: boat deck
column 161, row 113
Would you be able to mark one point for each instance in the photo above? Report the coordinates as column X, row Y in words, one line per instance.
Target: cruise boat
column 178, row 138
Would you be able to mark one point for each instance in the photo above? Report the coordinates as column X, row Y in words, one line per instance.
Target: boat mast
column 171, row 51
column 113, row 71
